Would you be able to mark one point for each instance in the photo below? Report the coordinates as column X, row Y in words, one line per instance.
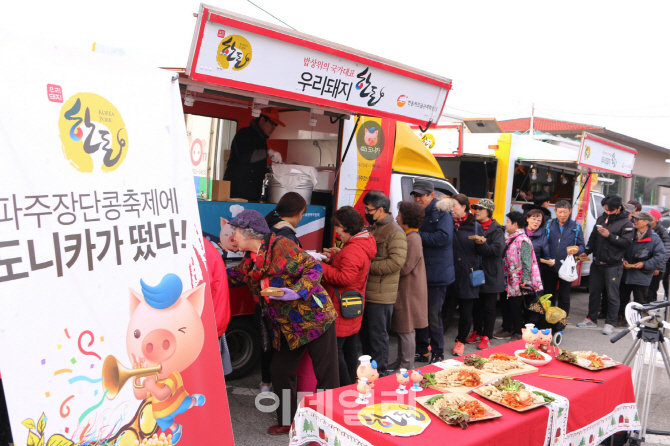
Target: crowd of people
column 408, row 275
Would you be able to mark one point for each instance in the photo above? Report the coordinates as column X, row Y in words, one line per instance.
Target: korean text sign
column 237, row 54
column 102, row 268
column 606, row 156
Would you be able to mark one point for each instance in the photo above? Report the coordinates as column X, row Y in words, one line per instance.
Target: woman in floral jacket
column 522, row 273
column 300, row 320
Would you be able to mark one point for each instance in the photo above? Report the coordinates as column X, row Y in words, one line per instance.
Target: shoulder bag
column 476, row 276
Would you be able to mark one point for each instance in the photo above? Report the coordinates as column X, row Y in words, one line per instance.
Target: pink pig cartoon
column 371, row 136
column 165, row 328
column 227, row 236
column 531, row 336
column 544, row 339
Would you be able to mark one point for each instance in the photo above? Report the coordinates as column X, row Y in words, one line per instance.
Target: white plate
column 534, row 362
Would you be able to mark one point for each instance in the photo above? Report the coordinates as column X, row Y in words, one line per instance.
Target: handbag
column 351, row 303
column 476, row 277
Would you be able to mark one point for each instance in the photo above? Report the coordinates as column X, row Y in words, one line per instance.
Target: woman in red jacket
column 347, row 269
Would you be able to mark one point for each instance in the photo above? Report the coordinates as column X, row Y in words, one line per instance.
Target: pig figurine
column 367, row 369
column 531, row 336
column 416, row 377
column 544, row 340
column 227, row 236
column 165, row 328
column 363, row 388
column 371, row 136
column 403, row 380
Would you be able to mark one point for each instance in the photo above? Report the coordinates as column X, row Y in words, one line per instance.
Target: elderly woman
column 466, row 260
column 410, row 310
column 643, row 257
column 299, row 320
column 347, row 269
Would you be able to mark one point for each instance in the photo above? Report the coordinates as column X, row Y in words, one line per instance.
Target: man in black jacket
column 249, row 153
column 608, row 242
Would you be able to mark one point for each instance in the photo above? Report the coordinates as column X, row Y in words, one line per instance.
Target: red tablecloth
column 589, row 403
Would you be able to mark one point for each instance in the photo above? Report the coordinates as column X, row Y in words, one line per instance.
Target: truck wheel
column 244, row 344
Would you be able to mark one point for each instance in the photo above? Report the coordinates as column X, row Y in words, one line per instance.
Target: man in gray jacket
column 382, row 288
column 659, row 272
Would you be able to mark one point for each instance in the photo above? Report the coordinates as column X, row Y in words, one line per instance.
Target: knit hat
column 249, row 218
column 484, row 203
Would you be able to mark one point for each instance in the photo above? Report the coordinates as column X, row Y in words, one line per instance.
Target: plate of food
column 533, row 356
column 457, row 410
column 587, row 359
column 513, row 394
column 455, row 379
column 499, row 364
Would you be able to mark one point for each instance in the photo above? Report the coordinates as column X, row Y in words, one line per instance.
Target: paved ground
column 250, row 425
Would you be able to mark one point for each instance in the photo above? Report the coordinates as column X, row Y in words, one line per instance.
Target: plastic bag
column 568, row 271
column 554, row 315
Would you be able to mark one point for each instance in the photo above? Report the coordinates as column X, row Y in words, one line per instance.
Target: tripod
column 650, row 334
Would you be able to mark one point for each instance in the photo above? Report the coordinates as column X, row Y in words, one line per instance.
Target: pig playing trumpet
column 164, row 337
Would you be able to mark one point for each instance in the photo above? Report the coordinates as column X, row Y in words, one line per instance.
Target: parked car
column 665, row 212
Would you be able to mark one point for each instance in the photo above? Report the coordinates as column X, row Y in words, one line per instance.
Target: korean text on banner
column 606, row 156
column 231, row 52
column 107, row 332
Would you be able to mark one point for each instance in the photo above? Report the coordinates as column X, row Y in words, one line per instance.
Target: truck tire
column 244, row 344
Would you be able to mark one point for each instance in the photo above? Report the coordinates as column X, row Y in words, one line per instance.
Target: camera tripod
column 650, row 334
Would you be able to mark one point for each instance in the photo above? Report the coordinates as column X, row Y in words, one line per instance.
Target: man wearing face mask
column 608, row 242
column 382, row 287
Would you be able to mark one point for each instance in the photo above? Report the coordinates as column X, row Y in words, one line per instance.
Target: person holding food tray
column 521, row 271
column 466, row 266
column 345, row 276
column 645, row 255
column 300, row 319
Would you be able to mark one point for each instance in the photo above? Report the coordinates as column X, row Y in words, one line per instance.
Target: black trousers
column 347, row 354
column 560, row 297
column 266, row 356
column 608, row 278
column 484, row 314
column 639, row 295
column 512, row 309
column 374, row 333
column 465, row 320
column 433, row 334
column 655, row 284
column 323, row 351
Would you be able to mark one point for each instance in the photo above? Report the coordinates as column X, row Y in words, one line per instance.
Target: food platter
column 499, row 364
column 457, row 379
column 587, row 359
column 524, row 400
column 455, row 400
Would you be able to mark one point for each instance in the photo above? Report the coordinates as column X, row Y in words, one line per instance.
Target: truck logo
column 402, row 100
column 587, row 152
column 93, row 133
column 370, row 140
column 234, row 49
column 428, row 140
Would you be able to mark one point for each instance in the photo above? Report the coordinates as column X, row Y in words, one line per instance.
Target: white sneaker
column 608, row 329
column 265, row 389
column 587, row 323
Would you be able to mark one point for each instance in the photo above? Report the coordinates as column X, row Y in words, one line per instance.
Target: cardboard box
column 220, row 190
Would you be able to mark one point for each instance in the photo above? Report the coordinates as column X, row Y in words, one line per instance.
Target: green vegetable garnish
column 566, row 356
column 433, row 399
column 546, row 397
column 475, row 361
column 455, row 417
column 507, row 384
column 428, row 380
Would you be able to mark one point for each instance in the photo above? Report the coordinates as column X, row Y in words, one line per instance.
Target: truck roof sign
column 237, row 52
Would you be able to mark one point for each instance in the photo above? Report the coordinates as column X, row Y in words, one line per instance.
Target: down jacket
column 437, row 233
column 385, row 268
column 466, row 259
column 348, row 270
column 559, row 241
column 492, row 259
column 656, row 253
column 610, row 250
column 665, row 238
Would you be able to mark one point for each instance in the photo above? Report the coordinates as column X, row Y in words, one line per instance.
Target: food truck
column 498, row 165
column 347, row 116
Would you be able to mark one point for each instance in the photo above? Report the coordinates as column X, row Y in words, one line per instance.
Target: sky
column 592, row 62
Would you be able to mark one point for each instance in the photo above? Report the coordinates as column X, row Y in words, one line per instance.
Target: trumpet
column 115, row 376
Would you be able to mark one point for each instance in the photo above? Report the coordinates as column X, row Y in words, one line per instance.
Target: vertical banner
column 107, row 331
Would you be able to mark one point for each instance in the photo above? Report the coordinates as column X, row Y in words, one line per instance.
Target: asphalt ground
column 250, row 425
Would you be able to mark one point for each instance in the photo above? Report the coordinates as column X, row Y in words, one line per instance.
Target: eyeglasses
column 370, row 210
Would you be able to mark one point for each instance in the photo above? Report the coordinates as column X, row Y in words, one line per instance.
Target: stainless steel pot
column 276, row 190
